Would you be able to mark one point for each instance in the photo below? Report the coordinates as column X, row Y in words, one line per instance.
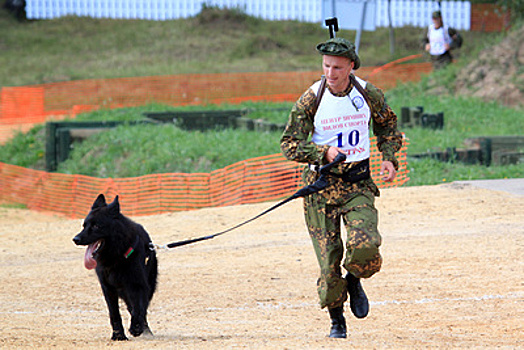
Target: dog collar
column 132, row 248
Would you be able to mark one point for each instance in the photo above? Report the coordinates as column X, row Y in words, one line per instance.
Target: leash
column 318, row 185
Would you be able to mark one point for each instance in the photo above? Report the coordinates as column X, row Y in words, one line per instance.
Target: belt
column 354, row 174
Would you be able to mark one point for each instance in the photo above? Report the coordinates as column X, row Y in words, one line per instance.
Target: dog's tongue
column 89, row 262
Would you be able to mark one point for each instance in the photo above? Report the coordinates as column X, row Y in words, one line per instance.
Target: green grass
column 433, row 172
column 13, row 206
column 128, row 151
column 26, row 150
column 73, row 48
column 81, row 48
column 463, row 118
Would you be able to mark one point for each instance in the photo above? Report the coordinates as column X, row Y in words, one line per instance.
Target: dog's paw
column 118, row 335
column 136, row 330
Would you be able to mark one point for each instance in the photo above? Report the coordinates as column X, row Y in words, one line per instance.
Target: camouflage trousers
column 363, row 259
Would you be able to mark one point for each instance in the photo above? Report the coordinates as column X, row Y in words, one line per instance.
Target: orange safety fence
column 267, row 178
column 388, row 65
column 22, row 107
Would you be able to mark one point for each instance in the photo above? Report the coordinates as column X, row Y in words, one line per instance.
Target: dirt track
column 453, row 276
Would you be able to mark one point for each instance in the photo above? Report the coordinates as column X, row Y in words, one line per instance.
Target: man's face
column 336, row 70
column 437, row 22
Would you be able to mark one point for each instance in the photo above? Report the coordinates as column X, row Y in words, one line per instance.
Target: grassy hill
column 223, row 41
column 214, row 41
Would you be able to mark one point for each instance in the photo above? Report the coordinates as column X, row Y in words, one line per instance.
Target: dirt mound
column 497, row 73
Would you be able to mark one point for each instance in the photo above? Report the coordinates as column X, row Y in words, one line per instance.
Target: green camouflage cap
column 436, row 14
column 340, row 47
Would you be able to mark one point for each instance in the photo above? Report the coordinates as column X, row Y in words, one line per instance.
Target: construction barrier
column 22, row 107
column 261, row 179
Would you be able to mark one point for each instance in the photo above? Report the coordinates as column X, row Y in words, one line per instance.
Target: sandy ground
column 453, row 277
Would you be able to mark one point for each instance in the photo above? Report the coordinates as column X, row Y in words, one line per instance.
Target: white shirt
column 437, row 40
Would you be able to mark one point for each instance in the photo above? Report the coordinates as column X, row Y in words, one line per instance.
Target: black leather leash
column 318, row 185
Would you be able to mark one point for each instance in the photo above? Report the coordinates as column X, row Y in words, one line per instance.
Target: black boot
column 358, row 301
column 338, row 322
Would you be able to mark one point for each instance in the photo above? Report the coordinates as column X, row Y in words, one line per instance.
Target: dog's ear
column 114, row 207
column 99, row 202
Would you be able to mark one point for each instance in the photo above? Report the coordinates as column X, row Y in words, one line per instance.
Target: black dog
column 126, row 265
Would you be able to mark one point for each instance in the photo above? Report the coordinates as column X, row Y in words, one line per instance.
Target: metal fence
column 403, row 12
column 302, row 10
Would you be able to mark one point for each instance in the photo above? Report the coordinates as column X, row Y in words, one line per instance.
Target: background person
column 315, row 136
column 439, row 40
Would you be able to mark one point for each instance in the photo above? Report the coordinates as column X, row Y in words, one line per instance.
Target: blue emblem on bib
column 358, row 102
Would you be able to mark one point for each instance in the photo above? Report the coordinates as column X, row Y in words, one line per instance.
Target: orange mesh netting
column 254, row 180
column 21, row 107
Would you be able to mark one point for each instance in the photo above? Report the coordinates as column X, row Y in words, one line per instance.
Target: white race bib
column 437, row 40
column 343, row 122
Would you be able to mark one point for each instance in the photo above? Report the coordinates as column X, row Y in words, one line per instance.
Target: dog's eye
column 94, row 227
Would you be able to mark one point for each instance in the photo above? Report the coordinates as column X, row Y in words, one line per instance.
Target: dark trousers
column 441, row 61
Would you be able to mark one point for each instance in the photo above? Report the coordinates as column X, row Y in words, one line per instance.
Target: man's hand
column 387, row 171
column 332, row 153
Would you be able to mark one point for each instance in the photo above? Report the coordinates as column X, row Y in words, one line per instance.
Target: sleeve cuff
column 388, row 156
column 322, row 150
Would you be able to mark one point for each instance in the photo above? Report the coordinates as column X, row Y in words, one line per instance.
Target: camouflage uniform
column 353, row 202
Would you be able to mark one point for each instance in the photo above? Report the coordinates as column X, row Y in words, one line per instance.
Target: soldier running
column 322, row 123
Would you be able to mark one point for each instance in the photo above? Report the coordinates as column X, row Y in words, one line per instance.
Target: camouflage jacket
column 297, row 146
